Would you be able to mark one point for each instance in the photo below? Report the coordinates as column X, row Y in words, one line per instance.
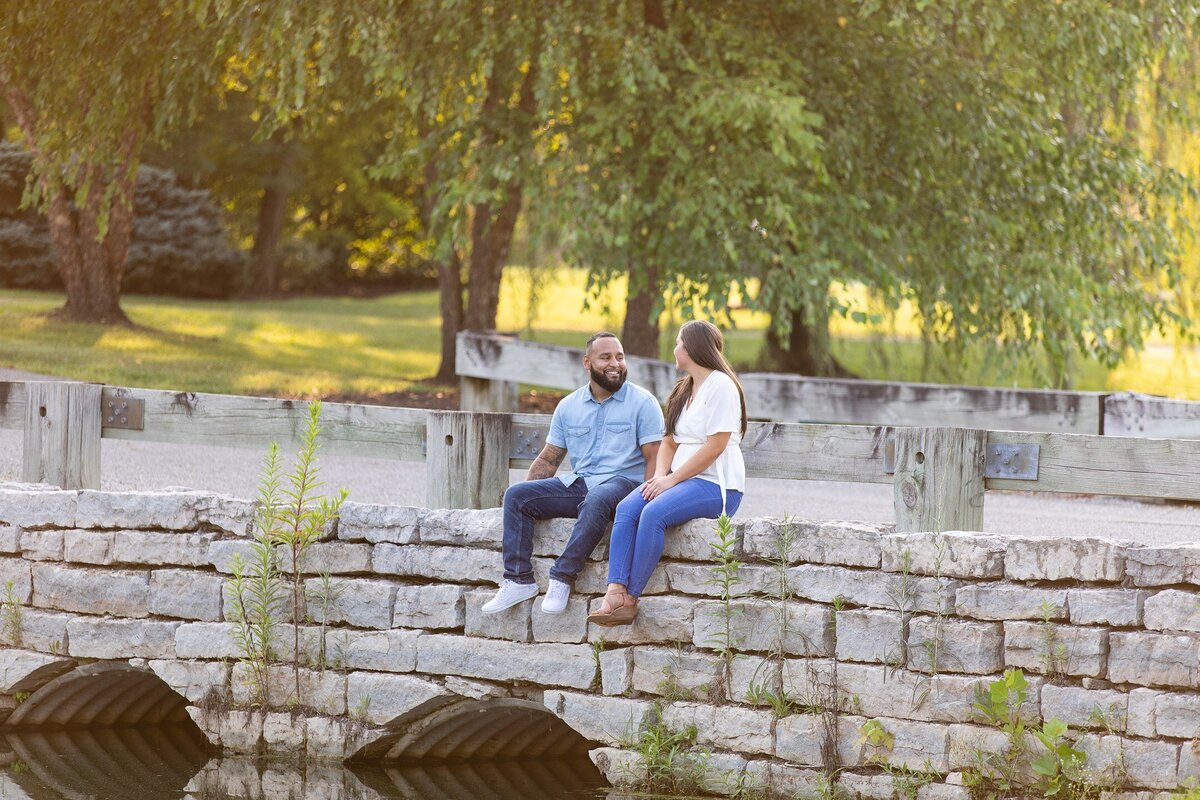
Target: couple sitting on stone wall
column 623, row 463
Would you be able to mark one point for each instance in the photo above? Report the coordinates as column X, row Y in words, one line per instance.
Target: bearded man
column 611, row 430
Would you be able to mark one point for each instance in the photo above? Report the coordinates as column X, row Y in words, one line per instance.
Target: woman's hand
column 657, row 485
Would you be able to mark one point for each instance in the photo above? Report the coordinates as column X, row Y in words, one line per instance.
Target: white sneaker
column 509, row 595
column 557, row 594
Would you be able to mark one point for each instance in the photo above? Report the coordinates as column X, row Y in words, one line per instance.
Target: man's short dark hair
column 599, row 335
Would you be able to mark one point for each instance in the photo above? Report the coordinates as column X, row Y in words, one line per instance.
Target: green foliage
column 1060, row 768
column 10, row 616
column 668, row 760
column 179, row 244
column 724, row 576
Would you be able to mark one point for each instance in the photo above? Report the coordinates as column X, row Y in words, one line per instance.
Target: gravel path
column 146, row 465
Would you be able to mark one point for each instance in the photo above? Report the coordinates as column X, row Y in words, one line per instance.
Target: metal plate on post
column 126, row 413
column 526, row 441
column 1017, row 462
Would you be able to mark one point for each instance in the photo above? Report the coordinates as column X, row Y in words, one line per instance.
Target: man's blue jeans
column 640, row 527
column 547, row 498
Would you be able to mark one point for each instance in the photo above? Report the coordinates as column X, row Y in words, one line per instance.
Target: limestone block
column 660, row 620
column 1118, row 607
column 969, row 742
column 570, row 665
column 227, row 514
column 803, row 629
column 697, row 579
column 25, row 670
column 593, row 578
column 324, row 693
column 148, row 547
column 550, row 537
column 693, row 540
column 1065, row 558
column 609, row 720
column 943, row 791
column 947, row 645
column 1173, row 610
column 869, row 635
column 867, row 787
column 569, row 627
column 283, row 733
column 328, row 739
column 240, row 731
column 186, row 594
column 281, row 613
column 733, row 728
column 123, row 593
column 360, row 602
column 192, row 679
column 429, row 606
column 28, row 507
column 1140, row 713
column 1177, row 714
column 621, row 768
column 1003, row 601
column 514, row 624
column 88, row 547
column 811, row 681
column 18, row 571
column 1049, row 648
column 1145, row 764
column 364, row 522
column 788, row 781
column 917, row 745
column 205, row 640
column 952, row 554
column 851, row 544
column 10, row 540
column 753, row 676
column 799, row 738
column 385, row 651
column 175, row 511
column 1163, row 565
column 1086, row 708
column 1153, row 659
column 384, row 699
column 616, row 671
column 480, row 528
column 223, row 552
column 1189, row 764
column 101, row 637
column 44, row 630
column 873, row 690
column 335, row 558
column 872, row 589
column 451, row 564
column 476, row 690
column 42, row 545
column 675, row 674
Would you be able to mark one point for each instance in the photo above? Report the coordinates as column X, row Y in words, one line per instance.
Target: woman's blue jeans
column 636, row 543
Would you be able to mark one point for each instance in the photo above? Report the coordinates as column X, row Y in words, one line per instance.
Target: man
column 611, row 430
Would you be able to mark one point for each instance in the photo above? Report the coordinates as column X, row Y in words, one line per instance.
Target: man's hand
column 547, row 463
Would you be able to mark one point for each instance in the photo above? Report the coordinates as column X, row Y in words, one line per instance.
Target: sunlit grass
column 311, row 347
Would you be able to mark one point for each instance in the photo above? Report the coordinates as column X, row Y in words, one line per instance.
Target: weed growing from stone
column 1054, row 653
column 322, row 598
column 10, row 616
column 770, row 691
column 669, row 760
column 725, row 578
column 903, row 598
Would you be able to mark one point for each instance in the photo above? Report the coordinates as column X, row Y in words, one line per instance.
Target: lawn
column 322, row 346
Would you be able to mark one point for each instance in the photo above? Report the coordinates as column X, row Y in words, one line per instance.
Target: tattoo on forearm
column 553, row 455
column 547, row 463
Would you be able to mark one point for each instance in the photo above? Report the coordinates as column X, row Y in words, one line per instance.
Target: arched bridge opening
column 100, row 695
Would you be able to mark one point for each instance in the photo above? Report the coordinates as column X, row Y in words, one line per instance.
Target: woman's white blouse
column 716, row 408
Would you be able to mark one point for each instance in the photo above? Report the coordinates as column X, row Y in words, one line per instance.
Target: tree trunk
column 806, row 351
column 450, row 290
column 640, row 334
column 272, row 214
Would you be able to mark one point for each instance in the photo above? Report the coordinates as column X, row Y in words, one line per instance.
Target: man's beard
column 606, row 383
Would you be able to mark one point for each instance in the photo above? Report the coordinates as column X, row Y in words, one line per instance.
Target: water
column 171, row 762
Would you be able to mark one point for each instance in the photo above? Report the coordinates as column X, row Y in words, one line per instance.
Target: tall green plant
column 725, row 578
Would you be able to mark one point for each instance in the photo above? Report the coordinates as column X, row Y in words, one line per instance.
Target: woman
column 699, row 473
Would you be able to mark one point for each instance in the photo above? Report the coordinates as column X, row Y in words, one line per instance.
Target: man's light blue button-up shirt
column 605, row 439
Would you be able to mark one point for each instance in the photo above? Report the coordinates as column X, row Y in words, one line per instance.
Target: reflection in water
column 170, row 762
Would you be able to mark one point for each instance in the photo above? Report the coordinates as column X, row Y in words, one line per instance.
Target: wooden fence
column 490, row 366
column 939, row 474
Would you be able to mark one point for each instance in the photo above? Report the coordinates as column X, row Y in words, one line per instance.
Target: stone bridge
column 847, row 650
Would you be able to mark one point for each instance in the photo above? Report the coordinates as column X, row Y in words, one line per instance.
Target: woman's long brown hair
column 705, row 346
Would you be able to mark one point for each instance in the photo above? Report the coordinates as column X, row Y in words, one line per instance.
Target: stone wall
column 899, row 629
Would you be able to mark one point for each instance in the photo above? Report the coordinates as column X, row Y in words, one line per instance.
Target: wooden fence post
column 481, row 394
column 62, row 434
column 938, row 483
column 466, row 459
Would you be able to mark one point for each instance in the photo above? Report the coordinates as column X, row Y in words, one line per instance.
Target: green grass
column 315, row 347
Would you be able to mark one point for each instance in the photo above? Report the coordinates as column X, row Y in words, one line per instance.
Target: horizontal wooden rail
column 939, row 472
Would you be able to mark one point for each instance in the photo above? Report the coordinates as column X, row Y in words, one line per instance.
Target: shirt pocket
column 577, row 433
column 619, row 428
